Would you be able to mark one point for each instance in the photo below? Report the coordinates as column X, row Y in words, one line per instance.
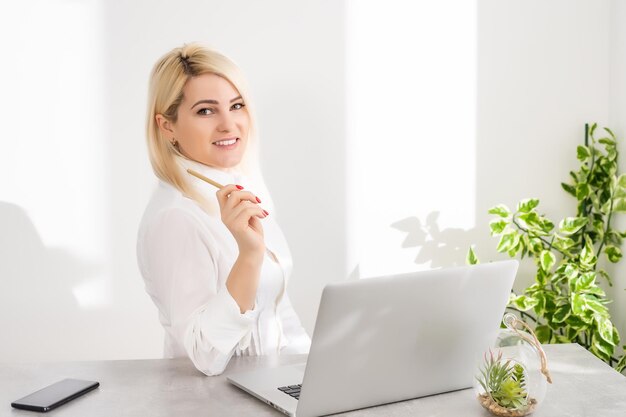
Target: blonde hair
column 167, row 80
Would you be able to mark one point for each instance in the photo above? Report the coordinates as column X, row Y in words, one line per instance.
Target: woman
column 214, row 261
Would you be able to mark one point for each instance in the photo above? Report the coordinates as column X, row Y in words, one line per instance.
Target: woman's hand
column 241, row 213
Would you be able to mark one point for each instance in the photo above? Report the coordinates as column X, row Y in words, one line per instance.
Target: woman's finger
column 236, row 197
column 223, row 193
column 244, row 212
column 232, row 194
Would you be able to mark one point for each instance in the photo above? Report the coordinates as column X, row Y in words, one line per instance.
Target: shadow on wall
column 39, row 315
column 442, row 248
column 448, row 247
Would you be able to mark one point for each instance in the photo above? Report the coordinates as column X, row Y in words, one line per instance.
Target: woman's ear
column 164, row 125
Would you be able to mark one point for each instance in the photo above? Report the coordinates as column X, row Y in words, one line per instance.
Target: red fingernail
column 266, row 213
column 258, row 199
column 240, row 187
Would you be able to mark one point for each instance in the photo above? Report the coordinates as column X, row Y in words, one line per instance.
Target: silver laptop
column 387, row 339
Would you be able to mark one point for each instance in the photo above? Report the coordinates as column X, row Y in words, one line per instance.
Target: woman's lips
column 227, row 144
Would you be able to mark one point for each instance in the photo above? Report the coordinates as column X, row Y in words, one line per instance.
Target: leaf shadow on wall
column 39, row 314
column 442, row 248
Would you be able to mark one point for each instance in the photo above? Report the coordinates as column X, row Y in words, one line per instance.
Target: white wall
column 412, row 133
column 542, row 74
column 617, row 121
column 75, row 172
column 505, row 86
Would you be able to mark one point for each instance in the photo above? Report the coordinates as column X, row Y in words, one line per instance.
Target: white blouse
column 185, row 256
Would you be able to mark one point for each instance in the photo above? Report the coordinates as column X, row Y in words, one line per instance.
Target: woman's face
column 212, row 126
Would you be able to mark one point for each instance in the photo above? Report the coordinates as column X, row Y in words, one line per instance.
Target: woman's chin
column 224, row 163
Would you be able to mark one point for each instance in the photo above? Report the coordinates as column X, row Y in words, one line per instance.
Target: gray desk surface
column 583, row 386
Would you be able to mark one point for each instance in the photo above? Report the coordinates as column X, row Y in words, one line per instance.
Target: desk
column 583, row 386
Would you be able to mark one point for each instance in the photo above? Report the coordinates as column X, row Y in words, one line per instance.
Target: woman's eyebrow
column 212, row 101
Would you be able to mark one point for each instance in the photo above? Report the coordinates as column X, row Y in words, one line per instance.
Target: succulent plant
column 504, row 382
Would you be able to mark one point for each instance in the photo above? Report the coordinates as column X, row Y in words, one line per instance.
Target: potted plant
column 503, row 383
column 565, row 304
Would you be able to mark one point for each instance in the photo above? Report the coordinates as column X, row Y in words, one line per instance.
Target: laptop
column 392, row 338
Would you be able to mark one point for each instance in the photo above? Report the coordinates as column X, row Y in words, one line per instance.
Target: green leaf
column 508, row 241
column 605, row 329
column 524, row 302
column 582, row 153
column 592, row 303
column 526, row 205
column 597, row 291
column 569, row 188
column 585, row 282
column 536, row 245
column 613, row 253
column 621, row 365
column 593, row 128
column 619, row 205
column 610, row 132
column 546, row 225
column 547, row 260
column 615, row 337
column 540, row 308
column 543, row 333
column 582, row 191
column 529, row 220
column 578, row 304
column 587, row 255
column 595, row 202
column 614, row 238
column 606, row 276
column 601, row 348
column 561, row 313
column 621, row 181
column 562, row 243
column 619, row 193
column 533, row 222
column 497, row 226
column 575, row 322
column 571, row 271
column 571, row 225
column 471, row 257
column 598, row 227
column 500, row 210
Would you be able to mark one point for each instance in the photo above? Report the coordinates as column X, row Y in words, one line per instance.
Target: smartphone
column 55, row 395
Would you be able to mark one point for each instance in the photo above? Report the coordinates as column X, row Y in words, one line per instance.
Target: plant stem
column 608, row 224
column 537, row 236
column 584, row 203
column 585, row 344
column 524, row 314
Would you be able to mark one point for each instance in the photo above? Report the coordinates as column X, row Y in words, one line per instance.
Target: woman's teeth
column 226, row 142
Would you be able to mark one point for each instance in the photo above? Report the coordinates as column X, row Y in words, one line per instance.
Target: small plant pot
column 512, row 377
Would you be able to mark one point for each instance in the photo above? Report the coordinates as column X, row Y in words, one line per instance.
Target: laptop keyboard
column 292, row 390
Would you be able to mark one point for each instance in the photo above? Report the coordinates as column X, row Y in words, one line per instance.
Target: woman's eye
column 241, row 106
column 205, row 111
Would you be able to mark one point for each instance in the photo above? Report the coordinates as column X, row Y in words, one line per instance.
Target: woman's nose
column 226, row 122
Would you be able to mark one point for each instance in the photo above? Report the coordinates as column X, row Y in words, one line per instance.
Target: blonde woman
column 214, row 262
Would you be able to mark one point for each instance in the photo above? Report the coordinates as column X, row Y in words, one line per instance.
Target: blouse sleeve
column 297, row 338
column 183, row 280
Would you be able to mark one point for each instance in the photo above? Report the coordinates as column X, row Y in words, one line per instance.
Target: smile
column 226, row 142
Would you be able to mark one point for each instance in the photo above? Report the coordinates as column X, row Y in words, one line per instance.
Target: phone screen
column 54, row 395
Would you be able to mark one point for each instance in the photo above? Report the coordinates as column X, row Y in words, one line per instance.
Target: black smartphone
column 54, row 395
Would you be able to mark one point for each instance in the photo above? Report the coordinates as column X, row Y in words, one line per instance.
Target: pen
column 203, row 178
